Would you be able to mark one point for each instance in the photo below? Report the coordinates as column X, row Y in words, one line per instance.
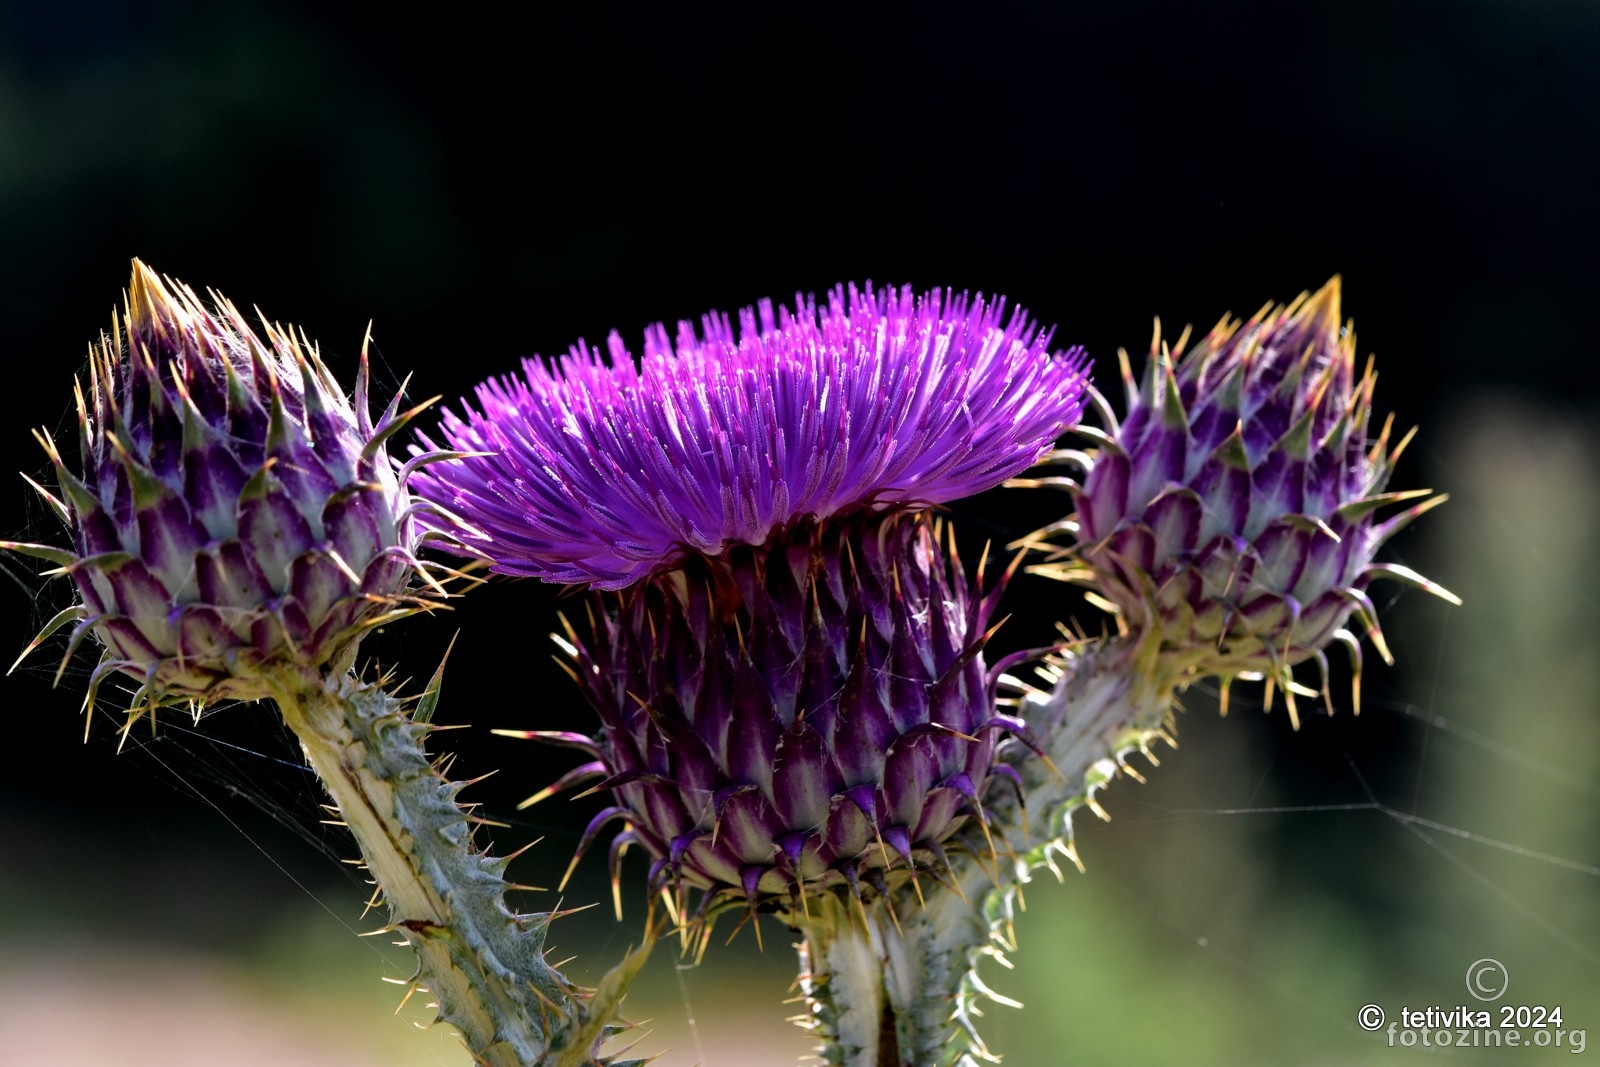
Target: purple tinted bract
column 600, row 471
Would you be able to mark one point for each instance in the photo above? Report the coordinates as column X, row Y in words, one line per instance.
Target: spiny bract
column 801, row 715
column 235, row 511
column 1232, row 510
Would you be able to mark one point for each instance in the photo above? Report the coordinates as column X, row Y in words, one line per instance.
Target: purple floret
column 600, row 471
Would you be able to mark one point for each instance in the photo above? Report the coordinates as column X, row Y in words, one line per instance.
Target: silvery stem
column 481, row 962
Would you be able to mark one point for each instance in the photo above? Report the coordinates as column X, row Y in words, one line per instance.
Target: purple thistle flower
column 599, row 471
column 790, row 678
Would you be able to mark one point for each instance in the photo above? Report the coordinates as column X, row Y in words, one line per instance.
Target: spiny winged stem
column 893, row 981
column 482, row 963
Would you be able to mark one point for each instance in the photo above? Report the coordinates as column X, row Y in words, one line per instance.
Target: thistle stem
column 483, row 964
column 1115, row 697
column 882, row 978
column 892, row 981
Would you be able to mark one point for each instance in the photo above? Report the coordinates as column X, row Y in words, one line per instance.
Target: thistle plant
column 237, row 527
column 786, row 659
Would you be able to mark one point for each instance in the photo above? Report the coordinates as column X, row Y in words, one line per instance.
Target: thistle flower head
column 1232, row 512
column 600, row 471
column 234, row 512
column 789, row 678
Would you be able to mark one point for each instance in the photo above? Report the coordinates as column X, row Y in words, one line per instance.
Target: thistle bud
column 1232, row 515
column 234, row 514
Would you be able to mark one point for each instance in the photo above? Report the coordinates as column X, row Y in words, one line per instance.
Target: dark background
column 483, row 186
